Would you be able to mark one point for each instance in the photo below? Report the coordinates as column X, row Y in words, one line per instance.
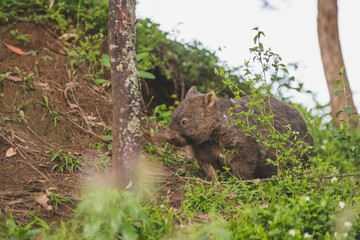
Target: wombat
column 203, row 122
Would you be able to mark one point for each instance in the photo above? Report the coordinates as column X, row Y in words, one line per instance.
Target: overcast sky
column 290, row 31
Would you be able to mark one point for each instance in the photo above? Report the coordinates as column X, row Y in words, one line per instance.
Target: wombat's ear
column 192, row 92
column 210, row 99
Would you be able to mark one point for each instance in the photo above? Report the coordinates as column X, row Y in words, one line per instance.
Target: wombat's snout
column 174, row 138
column 169, row 138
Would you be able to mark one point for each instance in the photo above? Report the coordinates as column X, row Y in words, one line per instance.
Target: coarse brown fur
column 203, row 122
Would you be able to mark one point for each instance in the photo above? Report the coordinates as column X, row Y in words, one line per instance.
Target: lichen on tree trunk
column 126, row 93
column 331, row 55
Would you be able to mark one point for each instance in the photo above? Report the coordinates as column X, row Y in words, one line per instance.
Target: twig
column 82, row 113
column 43, row 141
column 17, row 149
column 16, row 193
column 85, row 130
column 147, row 105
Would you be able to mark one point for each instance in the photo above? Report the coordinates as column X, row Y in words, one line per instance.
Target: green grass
column 289, row 208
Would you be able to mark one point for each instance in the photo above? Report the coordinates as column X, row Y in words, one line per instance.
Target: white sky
column 290, row 31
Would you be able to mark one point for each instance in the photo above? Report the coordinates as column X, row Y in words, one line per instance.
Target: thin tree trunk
column 126, row 93
column 328, row 33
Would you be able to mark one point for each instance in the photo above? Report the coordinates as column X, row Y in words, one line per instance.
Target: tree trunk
column 327, row 22
column 126, row 93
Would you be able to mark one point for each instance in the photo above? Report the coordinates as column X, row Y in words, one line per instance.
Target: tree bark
column 328, row 34
column 126, row 93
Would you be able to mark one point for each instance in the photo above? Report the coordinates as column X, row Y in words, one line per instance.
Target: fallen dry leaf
column 15, row 49
column 12, row 78
column 51, row 3
column 68, row 35
column 264, row 205
column 44, row 86
column 43, row 199
column 106, row 85
column 234, row 195
column 73, row 106
column 90, row 118
column 10, row 152
column 71, row 84
column 101, row 124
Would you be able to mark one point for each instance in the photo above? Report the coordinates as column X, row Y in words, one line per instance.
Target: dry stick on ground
column 85, row 130
column 271, row 179
column 43, row 141
column 16, row 193
column 98, row 113
column 71, row 105
column 81, row 111
column 24, row 161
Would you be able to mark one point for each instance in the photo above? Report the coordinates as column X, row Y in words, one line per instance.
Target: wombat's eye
column 184, row 121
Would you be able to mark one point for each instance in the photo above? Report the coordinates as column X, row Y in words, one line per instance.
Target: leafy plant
column 52, row 114
column 346, row 128
column 161, row 114
column 10, row 230
column 286, row 145
column 108, row 138
column 56, row 199
column 184, row 166
column 110, row 214
column 27, row 79
column 17, row 111
column 22, row 37
column 64, row 161
column 95, row 159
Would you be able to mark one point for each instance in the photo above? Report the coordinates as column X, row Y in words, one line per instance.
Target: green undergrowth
column 320, row 208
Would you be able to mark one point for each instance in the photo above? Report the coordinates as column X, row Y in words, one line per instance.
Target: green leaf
column 45, row 58
column 336, row 84
column 147, row 75
column 347, row 109
column 99, row 81
column 261, row 46
column 105, row 60
column 141, row 56
column 341, row 71
column 72, row 53
column 32, row 52
column 337, row 93
column 107, row 138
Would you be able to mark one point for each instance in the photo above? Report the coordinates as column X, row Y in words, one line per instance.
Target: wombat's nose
column 168, row 137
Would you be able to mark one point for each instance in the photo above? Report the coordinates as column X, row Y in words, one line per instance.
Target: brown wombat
column 202, row 121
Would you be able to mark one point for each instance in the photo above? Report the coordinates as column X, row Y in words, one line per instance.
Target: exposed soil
column 28, row 129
